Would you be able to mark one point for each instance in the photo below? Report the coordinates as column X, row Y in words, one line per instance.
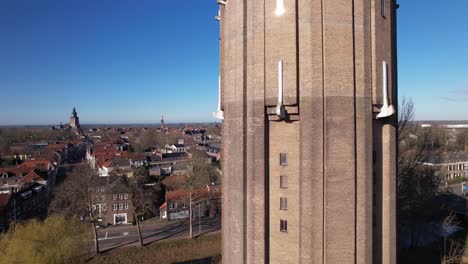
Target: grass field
column 204, row 249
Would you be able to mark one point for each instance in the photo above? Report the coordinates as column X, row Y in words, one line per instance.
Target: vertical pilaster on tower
column 309, row 138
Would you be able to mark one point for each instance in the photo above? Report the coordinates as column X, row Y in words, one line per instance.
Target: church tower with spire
column 163, row 126
column 74, row 120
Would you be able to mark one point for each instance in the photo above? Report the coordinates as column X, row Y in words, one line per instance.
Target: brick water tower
column 308, row 95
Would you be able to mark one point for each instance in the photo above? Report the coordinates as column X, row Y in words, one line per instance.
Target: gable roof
column 16, row 171
column 174, row 182
column 32, row 176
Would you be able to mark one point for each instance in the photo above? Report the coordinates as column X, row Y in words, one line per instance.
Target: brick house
column 206, row 201
column 112, row 201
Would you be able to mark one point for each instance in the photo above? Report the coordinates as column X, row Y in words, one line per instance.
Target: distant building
column 74, row 120
column 178, row 148
column 450, row 165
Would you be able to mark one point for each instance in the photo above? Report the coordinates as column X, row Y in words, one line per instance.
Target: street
column 113, row 237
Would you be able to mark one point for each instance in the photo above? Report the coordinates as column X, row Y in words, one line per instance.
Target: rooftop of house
column 178, row 155
column 113, row 184
column 16, row 171
column 174, row 182
column 448, row 157
column 32, row 176
column 199, row 193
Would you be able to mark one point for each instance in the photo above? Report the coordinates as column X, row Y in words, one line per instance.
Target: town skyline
column 117, row 62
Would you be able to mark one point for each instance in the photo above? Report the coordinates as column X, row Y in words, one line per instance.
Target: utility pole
column 199, row 219
column 14, row 211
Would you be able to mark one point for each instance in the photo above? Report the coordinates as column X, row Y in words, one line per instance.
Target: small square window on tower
column 283, row 203
column 283, row 159
column 283, row 181
column 283, row 225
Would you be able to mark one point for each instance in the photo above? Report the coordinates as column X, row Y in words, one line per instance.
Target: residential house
column 178, row 148
column 117, row 167
column 112, row 201
column 214, row 151
column 21, row 204
column 206, row 201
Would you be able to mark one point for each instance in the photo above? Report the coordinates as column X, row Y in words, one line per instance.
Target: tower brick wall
column 338, row 137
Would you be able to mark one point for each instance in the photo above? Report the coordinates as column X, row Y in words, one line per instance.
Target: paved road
column 120, row 236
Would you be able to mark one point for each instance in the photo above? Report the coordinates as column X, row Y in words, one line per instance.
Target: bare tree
column 77, row 196
column 195, row 177
column 143, row 197
column 417, row 183
column 453, row 250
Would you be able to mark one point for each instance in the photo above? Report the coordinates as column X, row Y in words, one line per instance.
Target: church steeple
column 74, row 114
column 74, row 120
column 163, row 126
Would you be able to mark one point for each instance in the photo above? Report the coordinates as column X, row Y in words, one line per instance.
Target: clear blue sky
column 127, row 61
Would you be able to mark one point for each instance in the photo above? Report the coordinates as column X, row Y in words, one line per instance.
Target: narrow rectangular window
column 120, row 206
column 114, row 207
column 126, row 196
column 125, row 206
column 283, row 225
column 283, row 181
column 283, row 159
column 382, row 9
column 114, row 196
column 283, row 203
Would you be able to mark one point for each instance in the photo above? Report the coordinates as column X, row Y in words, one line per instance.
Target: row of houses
column 25, row 189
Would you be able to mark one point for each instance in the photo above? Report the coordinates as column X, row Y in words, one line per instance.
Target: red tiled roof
column 58, row 146
column 184, row 194
column 17, row 170
column 107, row 163
column 32, row 176
column 164, row 205
column 174, row 181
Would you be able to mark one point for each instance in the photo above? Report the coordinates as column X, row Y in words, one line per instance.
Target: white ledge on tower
column 280, row 111
column 218, row 17
column 219, row 114
column 387, row 109
column 279, row 11
column 221, row 2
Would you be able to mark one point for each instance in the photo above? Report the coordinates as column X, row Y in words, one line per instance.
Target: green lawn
column 204, row 249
